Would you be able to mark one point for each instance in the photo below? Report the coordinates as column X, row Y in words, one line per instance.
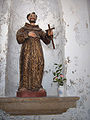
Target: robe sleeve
column 21, row 35
column 44, row 37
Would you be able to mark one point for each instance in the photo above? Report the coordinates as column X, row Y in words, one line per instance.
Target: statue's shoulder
column 32, row 27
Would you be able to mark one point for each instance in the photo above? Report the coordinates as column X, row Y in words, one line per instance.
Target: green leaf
column 54, row 78
column 60, row 65
column 60, row 69
column 61, row 83
column 61, row 78
column 56, row 67
column 55, row 64
column 54, row 73
column 54, row 81
column 64, row 79
column 57, row 71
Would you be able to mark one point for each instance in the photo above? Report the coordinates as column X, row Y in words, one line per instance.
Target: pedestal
column 28, row 93
column 37, row 106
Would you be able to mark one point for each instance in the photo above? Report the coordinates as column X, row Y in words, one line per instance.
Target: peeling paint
column 4, row 17
column 67, row 60
column 86, row 25
column 76, row 15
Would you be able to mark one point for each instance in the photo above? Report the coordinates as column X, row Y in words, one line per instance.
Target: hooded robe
column 31, row 57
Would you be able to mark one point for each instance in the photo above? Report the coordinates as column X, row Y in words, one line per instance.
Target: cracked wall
column 4, row 22
column 77, row 26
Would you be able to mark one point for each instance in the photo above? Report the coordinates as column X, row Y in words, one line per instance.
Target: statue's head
column 32, row 17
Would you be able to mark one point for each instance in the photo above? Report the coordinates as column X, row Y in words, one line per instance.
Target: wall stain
column 72, row 82
column 67, row 60
column 86, row 25
column 45, row 71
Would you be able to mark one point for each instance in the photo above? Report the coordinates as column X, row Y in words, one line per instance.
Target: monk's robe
column 31, row 56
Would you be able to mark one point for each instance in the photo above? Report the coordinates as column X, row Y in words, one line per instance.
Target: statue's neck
column 32, row 23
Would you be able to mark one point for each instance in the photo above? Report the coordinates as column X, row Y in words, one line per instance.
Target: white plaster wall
column 77, row 26
column 48, row 12
column 4, row 22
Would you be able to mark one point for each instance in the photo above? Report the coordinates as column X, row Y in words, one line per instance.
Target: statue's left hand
column 50, row 33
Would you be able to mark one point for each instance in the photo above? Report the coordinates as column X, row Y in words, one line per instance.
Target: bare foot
column 23, row 89
column 41, row 89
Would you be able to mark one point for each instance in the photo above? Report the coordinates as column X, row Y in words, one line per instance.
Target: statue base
column 28, row 93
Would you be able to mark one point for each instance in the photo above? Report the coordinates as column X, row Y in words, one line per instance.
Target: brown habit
column 31, row 57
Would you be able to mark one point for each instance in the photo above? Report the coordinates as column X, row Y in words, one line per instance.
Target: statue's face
column 32, row 18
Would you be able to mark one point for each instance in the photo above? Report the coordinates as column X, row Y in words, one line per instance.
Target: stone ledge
column 37, row 106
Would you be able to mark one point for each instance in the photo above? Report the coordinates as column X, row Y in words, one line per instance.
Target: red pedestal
column 28, row 93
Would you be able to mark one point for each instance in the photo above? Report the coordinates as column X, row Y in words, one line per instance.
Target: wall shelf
column 37, row 106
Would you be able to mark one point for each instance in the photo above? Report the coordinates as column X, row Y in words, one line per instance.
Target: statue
column 31, row 57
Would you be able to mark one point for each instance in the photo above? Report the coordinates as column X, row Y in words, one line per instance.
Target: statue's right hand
column 32, row 34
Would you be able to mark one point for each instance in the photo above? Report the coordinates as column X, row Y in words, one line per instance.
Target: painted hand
column 32, row 34
column 50, row 33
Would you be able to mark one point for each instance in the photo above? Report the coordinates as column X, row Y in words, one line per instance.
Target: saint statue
column 31, row 56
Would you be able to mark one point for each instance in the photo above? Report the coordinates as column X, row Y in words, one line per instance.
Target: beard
column 32, row 21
